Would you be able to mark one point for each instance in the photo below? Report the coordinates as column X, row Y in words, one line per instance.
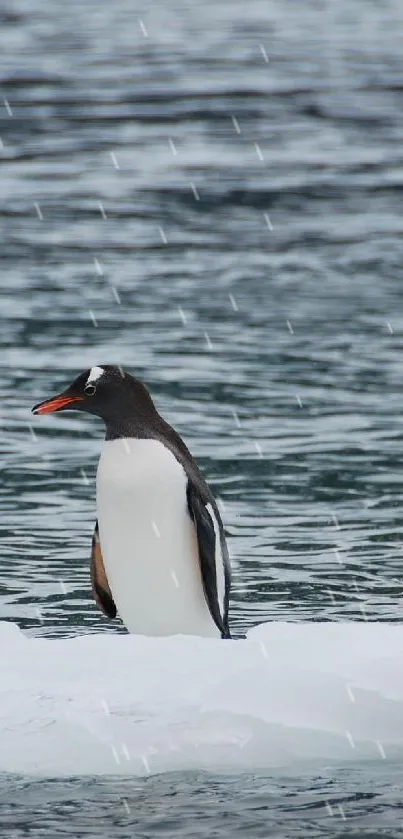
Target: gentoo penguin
column 159, row 556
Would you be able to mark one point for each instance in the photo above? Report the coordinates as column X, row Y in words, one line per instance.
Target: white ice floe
column 104, row 704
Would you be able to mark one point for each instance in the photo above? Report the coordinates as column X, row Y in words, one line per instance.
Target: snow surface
column 107, row 704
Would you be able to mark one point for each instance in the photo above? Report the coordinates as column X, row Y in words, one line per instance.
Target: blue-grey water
column 209, row 194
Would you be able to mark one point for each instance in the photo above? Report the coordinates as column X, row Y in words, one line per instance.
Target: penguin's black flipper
column 212, row 552
column 99, row 581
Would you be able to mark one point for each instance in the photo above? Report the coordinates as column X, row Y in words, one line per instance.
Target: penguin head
column 106, row 391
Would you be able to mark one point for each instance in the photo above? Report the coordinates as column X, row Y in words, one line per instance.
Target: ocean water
column 210, row 195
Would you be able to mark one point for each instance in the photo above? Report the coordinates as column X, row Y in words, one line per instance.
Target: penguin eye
column 90, row 389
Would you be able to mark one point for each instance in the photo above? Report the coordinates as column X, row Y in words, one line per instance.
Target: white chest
column 148, row 540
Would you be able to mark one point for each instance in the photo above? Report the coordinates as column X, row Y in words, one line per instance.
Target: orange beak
column 55, row 404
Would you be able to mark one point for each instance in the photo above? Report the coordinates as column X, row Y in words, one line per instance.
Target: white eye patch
column 95, row 374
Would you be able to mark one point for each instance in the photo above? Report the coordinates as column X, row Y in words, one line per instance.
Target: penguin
column 159, row 557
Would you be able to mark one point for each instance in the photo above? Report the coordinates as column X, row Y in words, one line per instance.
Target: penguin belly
column 148, row 540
